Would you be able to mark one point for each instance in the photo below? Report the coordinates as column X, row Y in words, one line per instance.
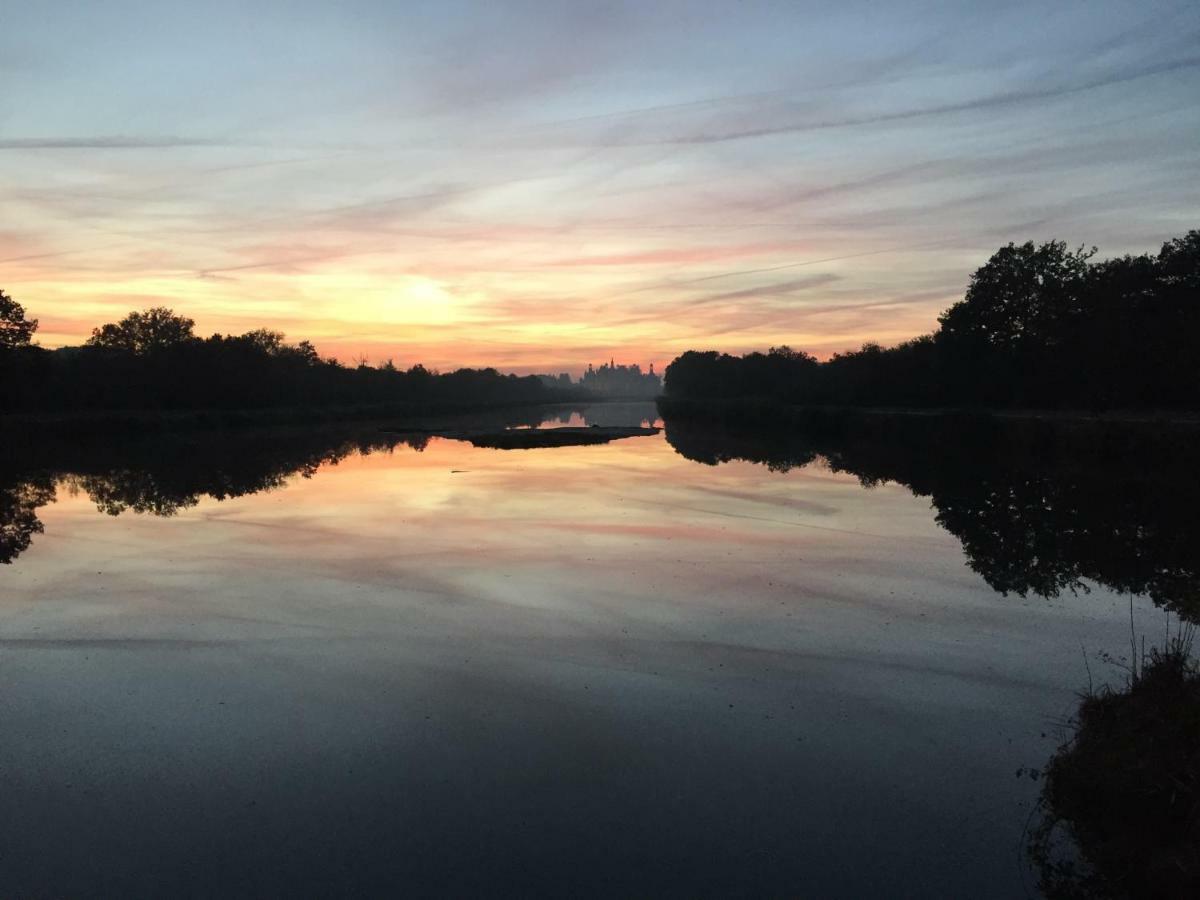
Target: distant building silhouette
column 612, row 380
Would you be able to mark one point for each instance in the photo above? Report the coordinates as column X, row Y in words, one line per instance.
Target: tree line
column 153, row 360
column 161, row 473
column 1040, row 510
column 1040, row 326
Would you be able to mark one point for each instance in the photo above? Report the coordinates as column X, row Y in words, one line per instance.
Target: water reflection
column 20, row 497
column 163, row 476
column 518, row 666
column 1120, row 800
column 1031, row 520
column 1033, row 516
column 638, row 414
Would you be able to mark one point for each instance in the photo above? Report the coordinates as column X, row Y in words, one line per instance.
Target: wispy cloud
column 779, row 288
column 114, row 142
column 479, row 183
column 994, row 101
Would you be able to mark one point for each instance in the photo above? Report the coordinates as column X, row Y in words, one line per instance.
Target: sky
column 534, row 186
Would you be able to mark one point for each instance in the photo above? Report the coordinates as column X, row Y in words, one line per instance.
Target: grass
column 1121, row 799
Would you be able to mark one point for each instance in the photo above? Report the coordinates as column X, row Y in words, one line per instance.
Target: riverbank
column 1110, row 436
column 752, row 410
column 533, row 438
column 110, row 423
column 431, row 617
column 1125, row 789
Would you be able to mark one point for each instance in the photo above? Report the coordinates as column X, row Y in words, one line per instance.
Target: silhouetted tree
column 19, row 501
column 15, row 329
column 152, row 360
column 1005, row 339
column 1179, row 262
column 263, row 340
column 153, row 330
column 1039, row 326
column 1023, row 298
column 1032, row 515
column 304, row 352
column 165, row 475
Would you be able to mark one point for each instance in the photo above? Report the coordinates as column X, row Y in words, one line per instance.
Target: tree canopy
column 1021, row 300
column 153, row 360
column 154, row 330
column 15, row 329
column 1040, row 326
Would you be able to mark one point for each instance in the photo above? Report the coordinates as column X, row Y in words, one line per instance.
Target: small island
column 535, row 438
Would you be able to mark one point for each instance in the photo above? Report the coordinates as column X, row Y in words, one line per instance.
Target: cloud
column 672, row 255
column 577, row 179
column 1007, row 98
column 780, row 288
column 795, row 265
column 112, row 142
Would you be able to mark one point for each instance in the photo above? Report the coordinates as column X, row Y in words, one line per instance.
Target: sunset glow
column 550, row 186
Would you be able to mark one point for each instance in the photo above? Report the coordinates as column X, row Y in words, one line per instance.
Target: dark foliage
column 1121, row 800
column 156, row 330
column 779, row 374
column 19, row 502
column 152, row 360
column 15, row 329
column 161, row 474
column 165, row 475
column 1040, row 508
column 1039, row 327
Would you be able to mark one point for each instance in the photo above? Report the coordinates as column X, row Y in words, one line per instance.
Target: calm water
column 595, row 670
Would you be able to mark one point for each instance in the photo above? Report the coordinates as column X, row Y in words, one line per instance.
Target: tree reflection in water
column 1034, row 516
column 166, row 474
column 163, row 476
column 19, row 501
column 1033, row 513
column 1042, row 511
